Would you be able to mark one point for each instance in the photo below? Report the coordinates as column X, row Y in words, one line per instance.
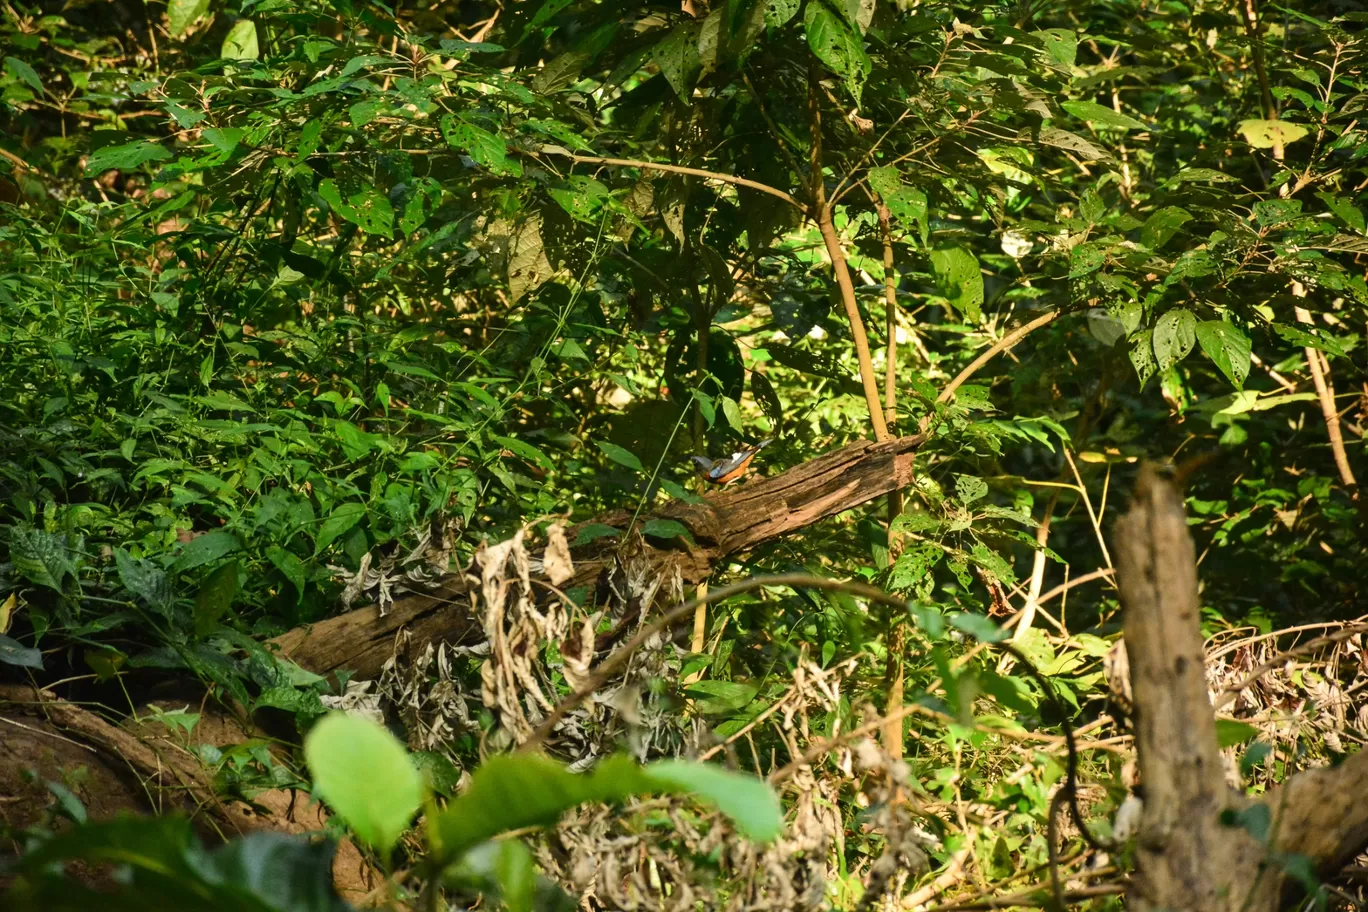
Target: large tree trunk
column 1190, row 852
column 737, row 520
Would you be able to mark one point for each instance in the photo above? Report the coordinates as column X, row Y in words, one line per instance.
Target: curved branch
column 1006, row 342
column 677, row 169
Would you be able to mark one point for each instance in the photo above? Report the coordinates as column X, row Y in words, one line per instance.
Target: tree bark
column 1189, row 854
column 757, row 511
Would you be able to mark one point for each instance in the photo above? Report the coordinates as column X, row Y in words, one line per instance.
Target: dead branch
column 759, row 511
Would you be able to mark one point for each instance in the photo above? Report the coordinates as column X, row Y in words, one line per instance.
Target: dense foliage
column 294, row 290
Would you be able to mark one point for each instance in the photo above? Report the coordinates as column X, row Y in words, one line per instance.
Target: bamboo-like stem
column 823, row 213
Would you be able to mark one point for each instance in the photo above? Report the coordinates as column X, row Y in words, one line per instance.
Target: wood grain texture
column 731, row 521
column 1187, row 856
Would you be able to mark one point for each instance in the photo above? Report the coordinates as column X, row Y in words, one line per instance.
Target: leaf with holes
column 368, row 209
column 959, row 280
column 1072, row 142
column 1174, row 335
column 677, row 57
column 580, row 196
column 1142, row 355
column 837, row 44
column 1228, row 347
column 969, row 488
column 487, row 149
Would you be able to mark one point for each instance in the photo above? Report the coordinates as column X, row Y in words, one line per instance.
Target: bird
column 725, row 471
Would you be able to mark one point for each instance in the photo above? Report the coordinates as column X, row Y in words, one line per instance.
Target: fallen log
column 1202, row 845
column 725, row 524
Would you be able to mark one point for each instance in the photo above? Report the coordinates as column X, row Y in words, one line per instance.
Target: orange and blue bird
column 725, row 471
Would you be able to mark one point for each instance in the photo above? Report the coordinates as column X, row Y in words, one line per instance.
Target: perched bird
column 725, row 471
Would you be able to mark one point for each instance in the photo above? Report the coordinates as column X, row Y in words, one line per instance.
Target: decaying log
column 725, row 524
column 1189, row 853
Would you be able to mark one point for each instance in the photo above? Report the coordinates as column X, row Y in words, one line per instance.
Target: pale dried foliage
column 648, row 854
column 1308, row 703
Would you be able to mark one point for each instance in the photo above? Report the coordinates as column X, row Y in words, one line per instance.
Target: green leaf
column 368, row 208
column 1304, row 339
column 124, row 158
column 1072, row 142
column 22, row 71
column 665, row 528
column 592, row 532
column 356, row 443
column 969, row 488
column 1162, row 225
column 1228, row 347
column 525, row 450
column 779, row 12
column 342, row 519
column 619, row 455
column 837, row 44
column 1265, row 134
column 732, row 412
column 979, row 627
column 41, row 557
column 1061, row 46
column 750, row 803
column 13, row 652
column 1100, row 114
column 1230, row 732
column 144, row 579
column 181, row 14
column 959, row 280
column 714, row 698
column 1174, row 335
column 510, row 792
column 366, row 776
column 580, row 196
column 241, row 42
column 485, row 148
column 202, row 549
column 215, row 598
column 1348, row 213
column 291, row 567
column 677, row 57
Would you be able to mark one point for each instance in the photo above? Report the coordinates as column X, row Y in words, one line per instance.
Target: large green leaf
column 366, row 776
column 1099, row 114
column 837, row 44
column 181, row 14
column 960, row 280
column 512, row 792
column 241, row 41
column 1174, row 335
column 1228, row 347
column 342, row 519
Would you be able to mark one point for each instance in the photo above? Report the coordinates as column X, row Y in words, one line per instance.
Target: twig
column 1006, row 342
column 1087, row 502
column 1320, row 375
column 1225, row 697
column 676, row 169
